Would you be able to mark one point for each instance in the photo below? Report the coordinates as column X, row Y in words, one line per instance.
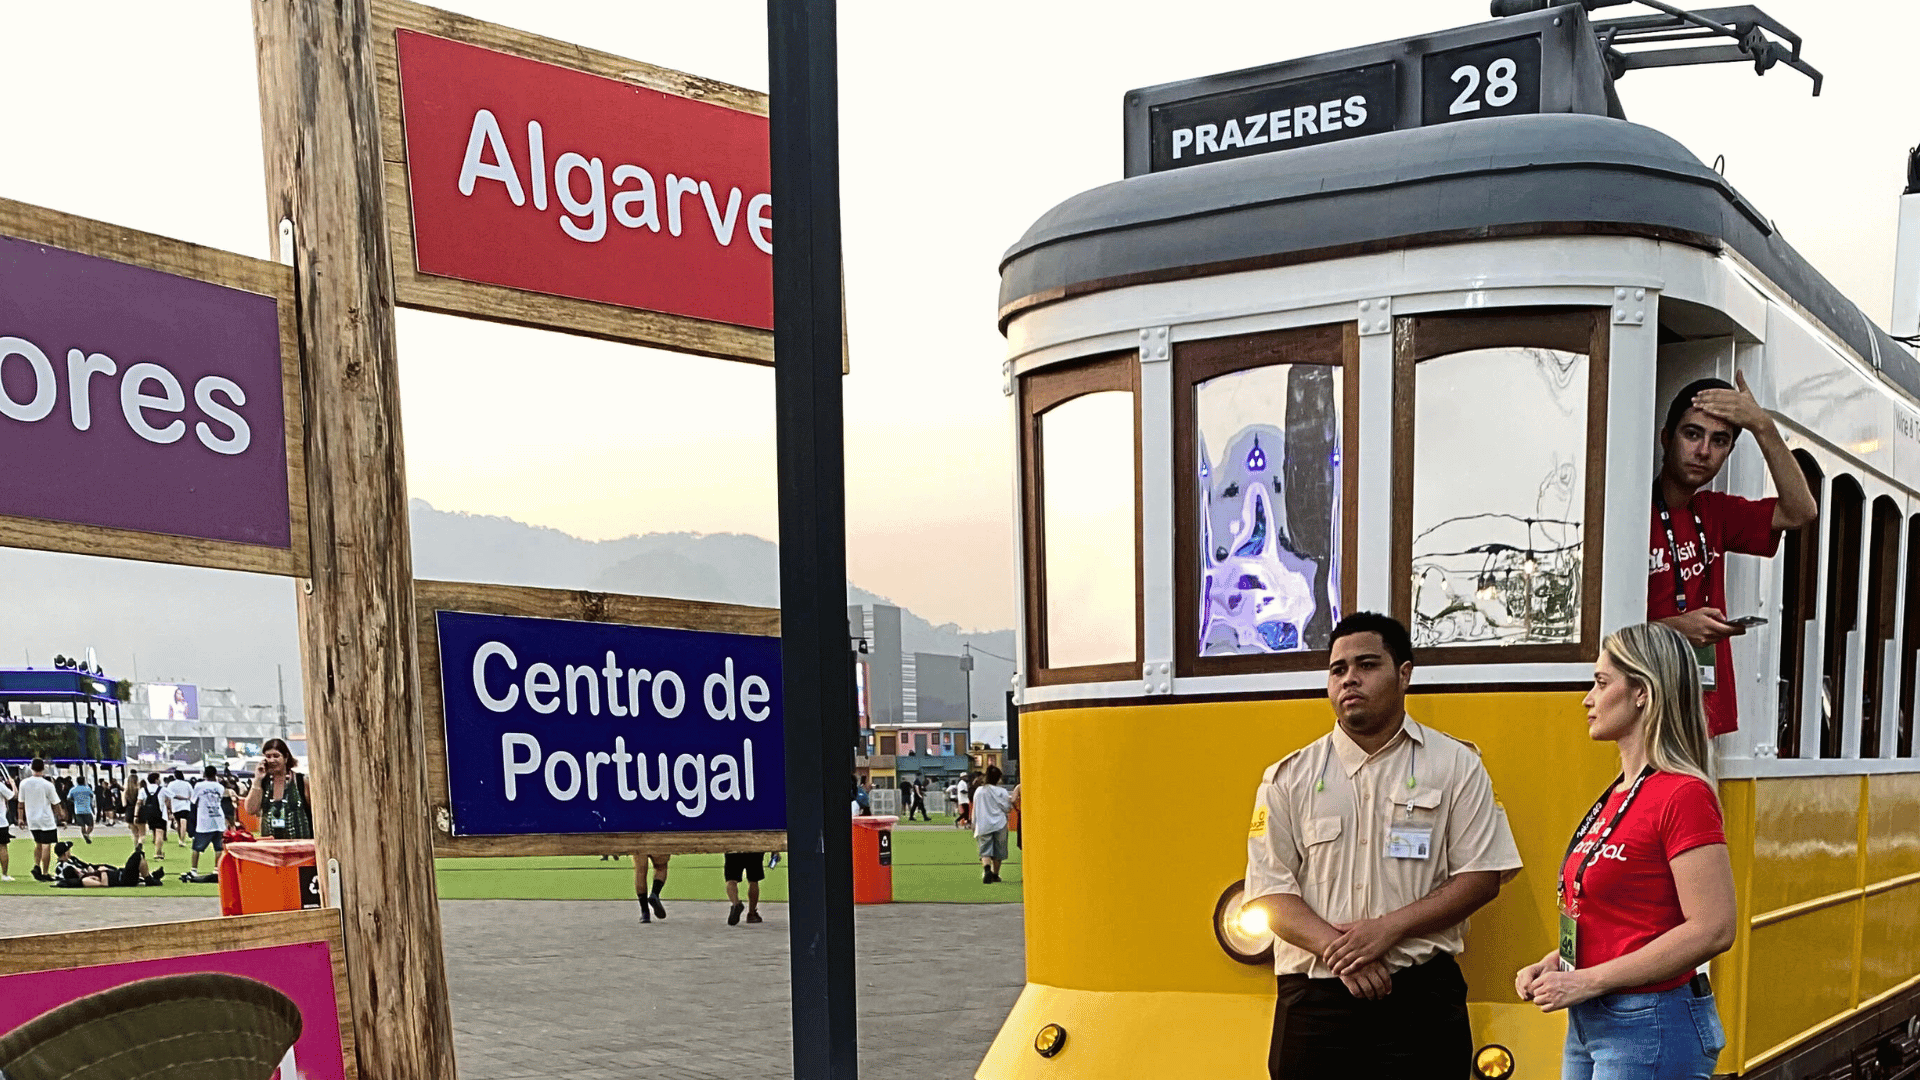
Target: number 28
column 1501, row 87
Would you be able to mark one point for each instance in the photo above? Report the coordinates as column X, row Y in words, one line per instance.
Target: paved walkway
column 581, row 989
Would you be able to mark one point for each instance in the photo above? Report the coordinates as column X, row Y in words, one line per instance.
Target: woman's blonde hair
column 1660, row 662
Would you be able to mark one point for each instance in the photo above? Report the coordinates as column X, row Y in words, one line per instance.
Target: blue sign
column 558, row 727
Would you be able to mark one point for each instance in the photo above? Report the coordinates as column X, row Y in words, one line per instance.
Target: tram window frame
column 1040, row 392
column 1846, row 512
column 1426, row 337
column 1800, row 605
column 1909, row 643
column 1335, row 345
column 1883, row 597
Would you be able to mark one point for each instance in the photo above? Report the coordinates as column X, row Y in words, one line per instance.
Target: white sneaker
column 6, row 877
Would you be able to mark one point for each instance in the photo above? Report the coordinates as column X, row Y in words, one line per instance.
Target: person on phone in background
column 1692, row 530
column 1646, row 887
column 279, row 795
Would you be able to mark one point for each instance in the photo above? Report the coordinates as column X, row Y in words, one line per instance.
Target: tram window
column 1843, row 609
column 1910, row 641
column 1081, row 467
column 1508, row 418
column 1261, row 421
column 1883, row 577
column 1798, row 600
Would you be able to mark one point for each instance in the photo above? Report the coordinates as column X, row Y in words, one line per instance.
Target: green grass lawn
column 929, row 866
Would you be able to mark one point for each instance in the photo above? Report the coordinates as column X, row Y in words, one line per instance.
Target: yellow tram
column 1412, row 365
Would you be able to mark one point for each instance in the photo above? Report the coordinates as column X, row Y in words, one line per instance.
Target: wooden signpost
column 165, row 402
column 599, row 745
column 299, row 955
column 149, row 398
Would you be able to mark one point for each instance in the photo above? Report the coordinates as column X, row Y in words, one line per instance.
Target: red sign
column 547, row 179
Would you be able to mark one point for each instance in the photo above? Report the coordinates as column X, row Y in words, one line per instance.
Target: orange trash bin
column 268, row 875
column 873, row 860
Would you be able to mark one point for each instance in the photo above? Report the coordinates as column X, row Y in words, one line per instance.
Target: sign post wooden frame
column 120, row 945
column 89, row 237
column 325, row 200
column 518, row 307
column 436, row 596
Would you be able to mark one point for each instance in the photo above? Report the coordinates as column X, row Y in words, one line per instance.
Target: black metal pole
column 805, row 139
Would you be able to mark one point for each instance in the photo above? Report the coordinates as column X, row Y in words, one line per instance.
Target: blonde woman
column 1646, row 889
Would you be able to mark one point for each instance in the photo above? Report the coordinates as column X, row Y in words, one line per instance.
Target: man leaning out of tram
column 1368, row 850
column 1702, row 423
column 1646, row 889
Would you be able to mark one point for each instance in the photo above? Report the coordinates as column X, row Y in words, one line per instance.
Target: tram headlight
column 1242, row 931
column 1493, row 1062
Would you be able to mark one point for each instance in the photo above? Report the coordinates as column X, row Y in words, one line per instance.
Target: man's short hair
column 1683, row 401
column 1393, row 634
column 212, row 773
column 39, row 765
column 993, row 774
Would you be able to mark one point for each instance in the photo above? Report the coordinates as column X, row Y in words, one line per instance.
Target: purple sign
column 136, row 399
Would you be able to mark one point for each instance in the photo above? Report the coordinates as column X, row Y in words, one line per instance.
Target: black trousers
column 1419, row 1031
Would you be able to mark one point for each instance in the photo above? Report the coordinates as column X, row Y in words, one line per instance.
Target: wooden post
column 324, row 176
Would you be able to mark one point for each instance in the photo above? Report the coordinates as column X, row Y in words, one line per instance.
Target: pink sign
column 303, row 972
column 552, row 180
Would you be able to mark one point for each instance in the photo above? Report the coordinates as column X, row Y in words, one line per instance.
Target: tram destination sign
column 557, row 726
column 1544, row 62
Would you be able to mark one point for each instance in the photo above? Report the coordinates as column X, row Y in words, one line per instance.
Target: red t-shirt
column 1628, row 897
column 1733, row 525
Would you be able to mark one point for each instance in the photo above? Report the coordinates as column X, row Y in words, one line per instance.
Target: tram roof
column 1550, row 174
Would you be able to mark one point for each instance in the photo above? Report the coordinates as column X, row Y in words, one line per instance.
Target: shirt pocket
column 1420, row 806
column 1322, row 854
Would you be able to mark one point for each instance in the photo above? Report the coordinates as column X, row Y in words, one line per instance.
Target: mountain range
column 212, row 628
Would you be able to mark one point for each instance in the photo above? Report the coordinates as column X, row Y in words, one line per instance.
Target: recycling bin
column 268, row 875
column 873, row 859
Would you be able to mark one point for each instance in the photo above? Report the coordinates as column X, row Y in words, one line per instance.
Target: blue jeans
column 1671, row 1035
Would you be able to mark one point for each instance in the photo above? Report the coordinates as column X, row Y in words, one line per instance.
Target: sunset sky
column 960, row 127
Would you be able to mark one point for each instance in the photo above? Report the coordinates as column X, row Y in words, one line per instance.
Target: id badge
column 1704, row 656
column 1569, row 940
column 1409, row 841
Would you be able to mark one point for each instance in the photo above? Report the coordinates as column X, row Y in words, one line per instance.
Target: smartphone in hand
column 1748, row 621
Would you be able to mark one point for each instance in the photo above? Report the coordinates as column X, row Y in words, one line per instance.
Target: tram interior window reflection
column 1500, row 452
column 1843, row 609
column 1268, row 488
column 1882, row 584
column 1087, row 521
column 1799, row 598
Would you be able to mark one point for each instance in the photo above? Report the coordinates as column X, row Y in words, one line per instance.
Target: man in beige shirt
column 1369, row 849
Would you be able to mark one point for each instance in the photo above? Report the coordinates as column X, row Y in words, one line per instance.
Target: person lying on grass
column 71, row 872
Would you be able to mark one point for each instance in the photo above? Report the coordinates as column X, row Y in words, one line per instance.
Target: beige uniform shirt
column 1330, row 847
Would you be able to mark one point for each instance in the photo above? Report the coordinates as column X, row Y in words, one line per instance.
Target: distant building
column 912, row 706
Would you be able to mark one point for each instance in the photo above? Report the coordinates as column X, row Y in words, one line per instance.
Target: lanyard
column 1593, row 856
column 1673, row 548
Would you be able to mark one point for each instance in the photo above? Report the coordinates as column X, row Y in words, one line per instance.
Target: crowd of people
column 199, row 813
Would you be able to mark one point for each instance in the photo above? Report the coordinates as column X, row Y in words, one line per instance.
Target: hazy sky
column 960, row 126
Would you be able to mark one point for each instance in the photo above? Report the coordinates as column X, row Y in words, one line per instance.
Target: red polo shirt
column 1733, row 526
